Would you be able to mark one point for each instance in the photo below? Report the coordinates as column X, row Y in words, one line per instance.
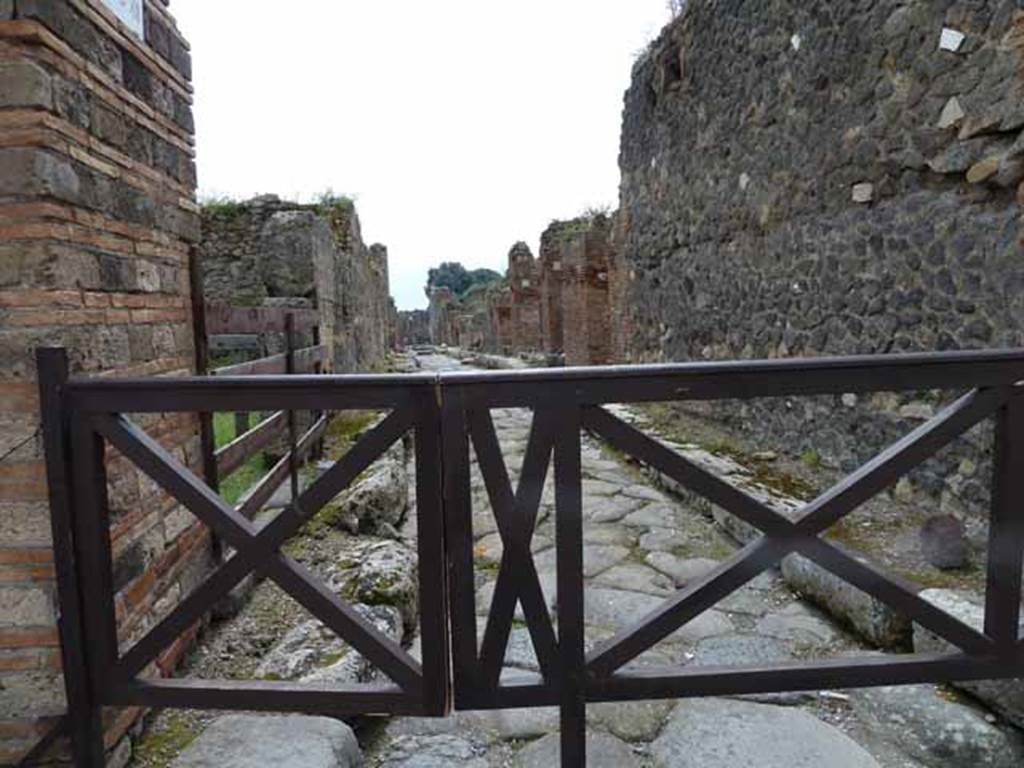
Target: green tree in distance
column 455, row 277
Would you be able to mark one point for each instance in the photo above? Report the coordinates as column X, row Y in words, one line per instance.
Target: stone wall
column 838, row 183
column 523, row 278
column 440, row 316
column 97, row 217
column 413, row 327
column 266, row 250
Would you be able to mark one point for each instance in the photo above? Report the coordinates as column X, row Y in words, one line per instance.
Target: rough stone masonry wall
column 97, row 217
column 266, row 251
column 806, row 178
column 413, row 327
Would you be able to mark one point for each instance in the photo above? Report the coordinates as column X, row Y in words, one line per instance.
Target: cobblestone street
column 641, row 544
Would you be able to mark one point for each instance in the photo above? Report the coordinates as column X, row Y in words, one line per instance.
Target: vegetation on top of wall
column 221, row 206
column 327, row 201
column 456, row 278
column 567, row 230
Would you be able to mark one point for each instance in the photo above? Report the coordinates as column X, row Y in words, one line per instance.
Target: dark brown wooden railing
column 211, row 319
column 448, row 413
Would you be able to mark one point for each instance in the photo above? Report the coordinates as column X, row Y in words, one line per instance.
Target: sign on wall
column 130, row 12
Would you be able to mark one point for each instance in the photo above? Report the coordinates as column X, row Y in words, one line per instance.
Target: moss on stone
column 345, row 427
column 159, row 746
column 810, row 458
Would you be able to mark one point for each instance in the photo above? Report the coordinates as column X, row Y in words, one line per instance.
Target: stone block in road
column 1006, row 697
column 719, row 733
column 292, row 741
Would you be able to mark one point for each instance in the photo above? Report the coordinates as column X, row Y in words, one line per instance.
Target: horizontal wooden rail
column 225, row 318
column 266, row 695
column 583, row 386
column 244, row 447
column 306, row 361
column 260, row 494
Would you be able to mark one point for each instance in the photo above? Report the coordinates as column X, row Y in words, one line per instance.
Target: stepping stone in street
column 934, row 728
column 290, row 741
column 603, row 751
column 723, row 733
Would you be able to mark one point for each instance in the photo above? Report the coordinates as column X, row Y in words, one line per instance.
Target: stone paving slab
column 291, row 741
column 641, row 543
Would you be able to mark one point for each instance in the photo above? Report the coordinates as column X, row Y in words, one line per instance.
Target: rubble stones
column 943, row 542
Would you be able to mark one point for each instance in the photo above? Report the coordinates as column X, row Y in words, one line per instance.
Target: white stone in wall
column 863, row 193
column 951, row 40
column 952, row 113
column 128, row 11
column 796, row 41
column 744, row 181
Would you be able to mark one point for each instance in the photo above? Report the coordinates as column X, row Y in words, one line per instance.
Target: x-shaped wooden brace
column 783, row 536
column 516, row 517
column 259, row 550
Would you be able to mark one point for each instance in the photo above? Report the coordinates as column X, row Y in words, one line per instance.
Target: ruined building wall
column 413, row 327
column 266, row 251
column 557, row 303
column 97, row 217
column 806, row 178
column 523, row 279
column 551, row 278
column 584, row 255
column 440, row 316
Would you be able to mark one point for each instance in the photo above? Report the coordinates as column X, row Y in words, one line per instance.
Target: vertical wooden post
column 432, row 567
column 458, row 532
column 241, row 423
column 207, row 440
column 318, row 449
column 85, row 725
column 293, row 438
column 569, row 557
column 1006, row 528
column 202, row 363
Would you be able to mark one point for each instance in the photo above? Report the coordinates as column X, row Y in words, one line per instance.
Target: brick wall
column 551, row 276
column 586, row 257
column 97, row 216
column 558, row 303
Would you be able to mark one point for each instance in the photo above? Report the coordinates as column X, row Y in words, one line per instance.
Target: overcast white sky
column 460, row 126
